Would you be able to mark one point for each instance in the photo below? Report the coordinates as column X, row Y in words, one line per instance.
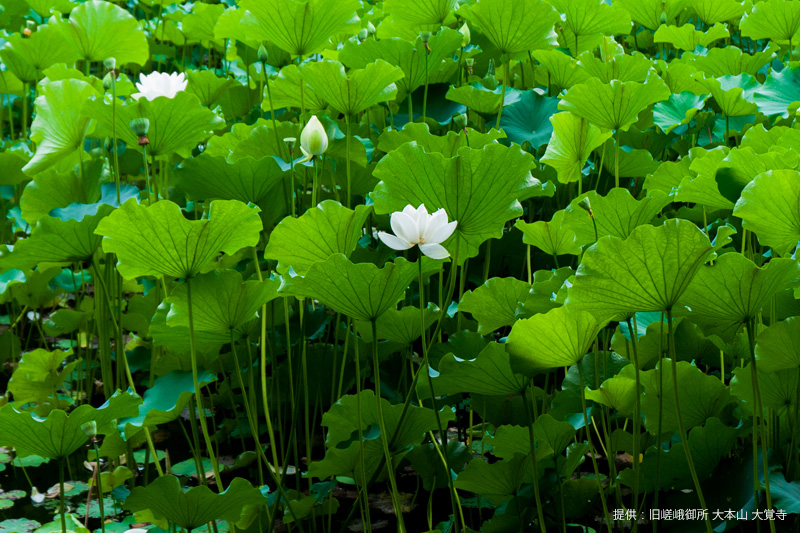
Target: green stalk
column 454, row 501
column 146, row 176
column 759, row 420
column 114, row 132
column 306, row 401
column 506, row 77
column 637, row 418
column 349, row 176
column 198, row 392
column 62, row 498
column 616, row 160
column 25, row 111
column 425, row 91
column 100, row 487
column 264, row 396
column 398, row 509
column 363, row 496
column 531, row 436
column 681, row 428
column 251, row 416
column 591, row 446
column 315, row 185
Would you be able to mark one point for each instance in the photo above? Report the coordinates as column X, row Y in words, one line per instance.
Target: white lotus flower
column 156, row 84
column 415, row 226
column 313, row 139
column 36, row 496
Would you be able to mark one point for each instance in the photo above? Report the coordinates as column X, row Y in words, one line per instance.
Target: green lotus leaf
column 448, row 145
column 553, row 237
column 420, row 13
column 196, row 507
column 249, row 180
column 427, row 463
column 158, row 240
column 177, row 125
column 258, row 141
column 614, row 105
column 618, row 213
column 368, row 292
column 618, row 392
column 494, row 304
column 9, row 83
column 773, row 19
column 285, row 91
column 51, row 190
column 529, row 119
column 344, row 450
column 299, row 27
column 28, row 57
column 514, row 26
column 35, row 292
column 547, row 292
column 207, row 86
column 562, row 69
column 730, row 60
column 733, row 290
column 587, row 17
column 481, row 189
column 56, row 241
column 108, row 197
column 648, row 271
column 342, row 420
column 404, row 326
column 39, row 375
column 324, row 230
column 778, row 346
column 59, row 128
column 678, row 110
column 478, row 98
column 779, row 94
column 489, row 373
column 48, row 7
column 709, row 444
column 713, row 11
column 620, row 67
column 164, row 401
column 60, row 434
column 652, row 13
column 352, row 92
column 558, row 338
column 768, row 209
column 733, row 94
column 497, row 481
column 633, row 163
column 12, row 163
column 686, row 37
column 410, row 57
column 221, row 302
column 778, row 390
column 177, row 341
column 99, row 30
column 198, row 25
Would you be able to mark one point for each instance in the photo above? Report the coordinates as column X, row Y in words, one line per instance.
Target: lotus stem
column 398, row 508
column 349, row 175
column 591, row 446
column 637, row 416
column 442, row 448
column 536, row 492
column 681, row 428
column 199, row 394
column 506, row 78
column 61, row 497
column 758, row 416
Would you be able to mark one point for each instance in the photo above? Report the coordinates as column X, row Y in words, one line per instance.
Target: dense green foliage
column 422, row 265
